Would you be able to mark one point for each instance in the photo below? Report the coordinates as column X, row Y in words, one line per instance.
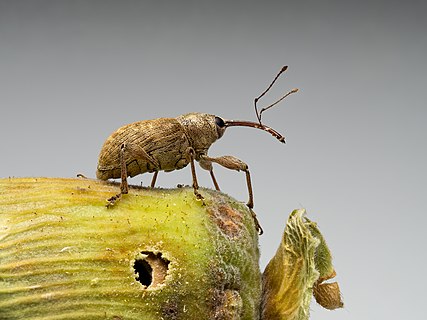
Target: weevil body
column 168, row 144
column 156, row 145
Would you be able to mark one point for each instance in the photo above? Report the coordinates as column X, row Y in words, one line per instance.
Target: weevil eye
column 219, row 122
column 220, row 126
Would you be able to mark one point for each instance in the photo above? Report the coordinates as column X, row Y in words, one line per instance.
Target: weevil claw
column 257, row 224
column 112, row 201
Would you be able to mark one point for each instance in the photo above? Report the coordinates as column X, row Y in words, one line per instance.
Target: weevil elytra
column 168, row 144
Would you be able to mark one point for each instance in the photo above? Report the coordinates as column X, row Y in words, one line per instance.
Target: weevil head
column 202, row 129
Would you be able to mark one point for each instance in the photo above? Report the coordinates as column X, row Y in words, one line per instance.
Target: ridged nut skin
column 157, row 254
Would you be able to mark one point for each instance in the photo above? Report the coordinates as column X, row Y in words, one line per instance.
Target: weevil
column 168, row 144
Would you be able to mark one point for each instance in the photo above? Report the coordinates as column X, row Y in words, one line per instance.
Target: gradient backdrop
column 71, row 72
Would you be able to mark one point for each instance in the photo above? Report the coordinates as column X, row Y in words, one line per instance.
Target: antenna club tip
column 284, row 68
column 294, row 90
column 282, row 139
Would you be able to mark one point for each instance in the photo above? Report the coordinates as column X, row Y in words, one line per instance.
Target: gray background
column 71, row 72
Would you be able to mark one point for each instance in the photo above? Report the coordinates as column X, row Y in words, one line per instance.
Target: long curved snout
column 257, row 125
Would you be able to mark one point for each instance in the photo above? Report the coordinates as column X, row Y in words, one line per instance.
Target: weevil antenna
column 284, row 68
column 273, row 104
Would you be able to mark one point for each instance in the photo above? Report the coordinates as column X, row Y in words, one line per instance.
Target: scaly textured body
column 158, row 138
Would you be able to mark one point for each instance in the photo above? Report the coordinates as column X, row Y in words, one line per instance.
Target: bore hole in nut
column 144, row 272
column 150, row 269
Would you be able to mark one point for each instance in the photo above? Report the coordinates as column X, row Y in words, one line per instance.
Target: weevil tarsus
column 256, row 222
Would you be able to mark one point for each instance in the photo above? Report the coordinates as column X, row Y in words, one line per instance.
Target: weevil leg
column 257, row 224
column 138, row 152
column 214, row 180
column 250, row 203
column 207, row 165
column 153, row 181
column 190, row 155
column 124, row 187
column 233, row 163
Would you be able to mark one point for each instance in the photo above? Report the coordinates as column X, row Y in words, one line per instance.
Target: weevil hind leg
column 138, row 153
column 124, row 187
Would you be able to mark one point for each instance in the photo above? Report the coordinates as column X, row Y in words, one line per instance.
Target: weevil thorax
column 201, row 129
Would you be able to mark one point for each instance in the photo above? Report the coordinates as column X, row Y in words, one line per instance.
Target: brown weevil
column 168, row 144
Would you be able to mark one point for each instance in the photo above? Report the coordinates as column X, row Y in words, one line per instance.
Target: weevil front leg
column 233, row 163
column 124, row 187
